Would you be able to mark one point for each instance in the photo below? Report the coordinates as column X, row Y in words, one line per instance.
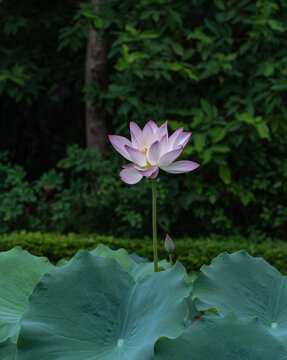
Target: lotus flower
column 151, row 149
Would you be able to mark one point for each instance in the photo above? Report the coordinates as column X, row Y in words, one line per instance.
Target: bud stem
column 170, row 259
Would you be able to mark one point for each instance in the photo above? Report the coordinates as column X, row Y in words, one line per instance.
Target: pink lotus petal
column 130, row 176
column 170, row 156
column 148, row 136
column 163, row 145
column 136, row 135
column 148, row 172
column 135, row 141
column 173, row 137
column 161, row 131
column 136, row 155
column 154, row 175
column 135, row 129
column 119, row 143
column 153, row 125
column 180, row 167
column 128, row 166
column 182, row 139
column 153, row 153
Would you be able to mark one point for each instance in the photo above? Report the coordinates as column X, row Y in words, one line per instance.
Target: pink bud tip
column 169, row 244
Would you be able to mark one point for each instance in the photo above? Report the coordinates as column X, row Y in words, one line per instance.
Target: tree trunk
column 96, row 70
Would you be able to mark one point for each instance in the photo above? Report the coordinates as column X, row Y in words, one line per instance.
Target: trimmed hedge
column 193, row 253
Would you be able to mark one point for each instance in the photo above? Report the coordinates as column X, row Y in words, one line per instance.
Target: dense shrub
column 85, row 194
column 77, row 196
column 193, row 253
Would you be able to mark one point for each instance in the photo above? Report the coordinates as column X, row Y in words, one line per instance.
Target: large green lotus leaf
column 120, row 255
column 193, row 313
column 92, row 308
column 19, row 274
column 138, row 259
column 7, row 350
column 222, row 339
column 246, row 286
column 139, row 271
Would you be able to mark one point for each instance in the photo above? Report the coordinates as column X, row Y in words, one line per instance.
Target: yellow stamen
column 144, row 151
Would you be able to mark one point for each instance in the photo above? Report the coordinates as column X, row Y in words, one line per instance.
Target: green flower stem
column 154, row 232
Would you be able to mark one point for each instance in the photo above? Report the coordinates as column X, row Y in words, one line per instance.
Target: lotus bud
column 169, row 244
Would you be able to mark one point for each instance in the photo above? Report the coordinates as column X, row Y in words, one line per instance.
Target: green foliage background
column 217, row 68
